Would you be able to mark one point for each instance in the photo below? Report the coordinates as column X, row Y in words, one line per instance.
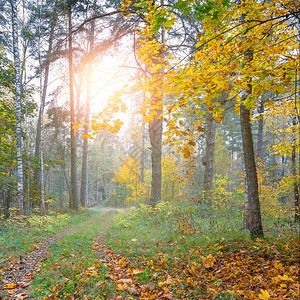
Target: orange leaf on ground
column 9, row 286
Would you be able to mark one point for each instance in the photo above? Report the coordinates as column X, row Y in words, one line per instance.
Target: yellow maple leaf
column 264, row 295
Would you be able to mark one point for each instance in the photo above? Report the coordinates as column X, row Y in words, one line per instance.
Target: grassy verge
column 20, row 233
column 72, row 269
column 197, row 252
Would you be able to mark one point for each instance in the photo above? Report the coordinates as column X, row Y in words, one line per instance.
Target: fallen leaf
column 9, row 286
column 137, row 271
column 264, row 295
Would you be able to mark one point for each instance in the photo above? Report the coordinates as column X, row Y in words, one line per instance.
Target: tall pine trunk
column 74, row 194
column 155, row 134
column 294, row 172
column 37, row 153
column 83, row 187
column 143, row 154
column 296, row 182
column 18, row 85
column 209, row 158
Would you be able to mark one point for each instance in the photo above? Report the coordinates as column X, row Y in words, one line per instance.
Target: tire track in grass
column 18, row 274
column 72, row 270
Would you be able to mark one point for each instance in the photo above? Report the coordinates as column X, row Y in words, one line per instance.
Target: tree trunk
column 246, row 208
column 155, row 133
column 260, row 130
column 294, row 171
column 282, row 169
column 254, row 222
column 36, row 175
column 18, row 84
column 143, row 154
column 209, row 158
column 296, row 182
column 43, row 208
column 7, row 199
column 72, row 119
column 87, row 117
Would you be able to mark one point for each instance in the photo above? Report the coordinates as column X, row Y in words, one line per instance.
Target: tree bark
column 155, row 133
column 260, row 130
column 7, row 199
column 294, row 172
column 43, row 208
column 18, row 84
column 255, row 224
column 209, row 158
column 83, row 186
column 246, row 208
column 74, row 193
column 143, row 154
column 36, row 175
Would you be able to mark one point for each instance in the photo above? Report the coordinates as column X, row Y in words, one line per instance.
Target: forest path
column 18, row 274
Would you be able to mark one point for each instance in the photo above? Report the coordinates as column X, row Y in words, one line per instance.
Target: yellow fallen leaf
column 97, row 263
column 35, row 247
column 285, row 277
column 169, row 280
column 9, row 286
column 137, row 271
column 264, row 295
column 122, row 286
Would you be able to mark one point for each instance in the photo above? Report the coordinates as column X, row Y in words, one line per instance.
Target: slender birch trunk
column 72, row 115
column 18, row 84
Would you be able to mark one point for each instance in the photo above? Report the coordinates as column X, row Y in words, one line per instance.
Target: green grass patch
column 177, row 239
column 20, row 233
column 178, row 229
column 72, row 269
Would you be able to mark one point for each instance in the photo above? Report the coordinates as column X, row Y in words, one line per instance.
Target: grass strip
column 20, row 233
column 72, row 268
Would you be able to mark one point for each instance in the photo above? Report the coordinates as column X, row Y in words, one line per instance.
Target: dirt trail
column 18, row 273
